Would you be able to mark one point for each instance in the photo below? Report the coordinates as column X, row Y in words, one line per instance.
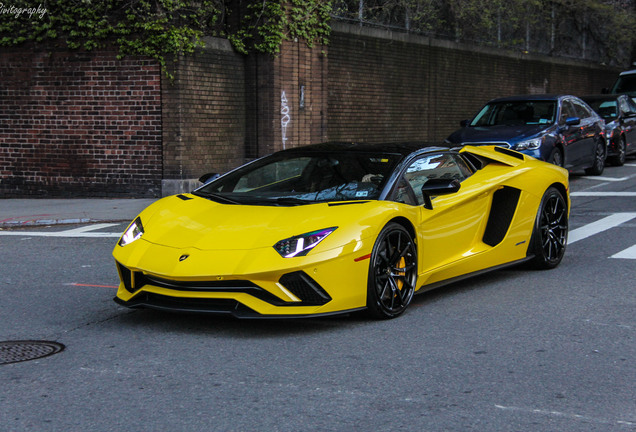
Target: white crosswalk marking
column 85, row 231
column 604, row 224
column 629, row 253
column 609, row 179
column 603, row 194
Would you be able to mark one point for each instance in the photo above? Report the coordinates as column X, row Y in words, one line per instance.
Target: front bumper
column 324, row 284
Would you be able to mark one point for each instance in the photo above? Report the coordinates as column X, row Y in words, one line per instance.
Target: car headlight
column 300, row 245
column 530, row 144
column 134, row 232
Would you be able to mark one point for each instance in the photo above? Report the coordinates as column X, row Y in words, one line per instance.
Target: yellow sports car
column 340, row 227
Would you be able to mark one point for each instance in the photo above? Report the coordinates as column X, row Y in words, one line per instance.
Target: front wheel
column 392, row 272
column 556, row 158
column 599, row 160
column 550, row 234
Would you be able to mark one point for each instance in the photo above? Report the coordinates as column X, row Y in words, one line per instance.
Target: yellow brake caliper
column 401, row 265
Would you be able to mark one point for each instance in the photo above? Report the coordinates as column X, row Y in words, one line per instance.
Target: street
column 513, row 350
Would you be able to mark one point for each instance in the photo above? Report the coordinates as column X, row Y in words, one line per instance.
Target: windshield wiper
column 292, row 201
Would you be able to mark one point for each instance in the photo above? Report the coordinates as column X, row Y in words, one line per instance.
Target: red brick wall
column 287, row 99
column 87, row 124
column 394, row 86
column 81, row 124
column 204, row 113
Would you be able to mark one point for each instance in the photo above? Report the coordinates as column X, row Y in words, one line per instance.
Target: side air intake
column 504, row 204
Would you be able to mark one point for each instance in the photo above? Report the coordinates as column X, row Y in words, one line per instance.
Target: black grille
column 305, row 288
column 509, row 152
column 133, row 281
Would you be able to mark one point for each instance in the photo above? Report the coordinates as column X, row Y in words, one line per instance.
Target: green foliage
column 265, row 24
column 163, row 29
column 602, row 30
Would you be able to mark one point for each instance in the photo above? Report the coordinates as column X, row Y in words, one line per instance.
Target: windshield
column 304, row 178
column 516, row 113
column 625, row 84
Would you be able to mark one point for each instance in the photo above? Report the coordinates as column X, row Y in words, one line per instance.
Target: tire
column 550, row 233
column 556, row 158
column 599, row 160
column 392, row 272
column 619, row 159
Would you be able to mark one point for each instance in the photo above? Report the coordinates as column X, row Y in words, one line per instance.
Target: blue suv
column 560, row 129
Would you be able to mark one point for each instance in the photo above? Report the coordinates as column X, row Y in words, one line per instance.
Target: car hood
column 499, row 133
column 195, row 222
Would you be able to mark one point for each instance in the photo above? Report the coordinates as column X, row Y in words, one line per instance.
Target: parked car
column 625, row 84
column 619, row 113
column 560, row 129
column 338, row 227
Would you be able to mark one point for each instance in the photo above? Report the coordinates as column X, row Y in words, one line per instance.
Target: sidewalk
column 29, row 212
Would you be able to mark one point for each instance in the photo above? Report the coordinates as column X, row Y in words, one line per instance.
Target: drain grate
column 23, row 350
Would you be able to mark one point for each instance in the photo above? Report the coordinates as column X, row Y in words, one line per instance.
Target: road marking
column 629, row 253
column 609, row 179
column 85, row 232
column 599, row 226
column 90, row 285
column 552, row 413
column 602, row 194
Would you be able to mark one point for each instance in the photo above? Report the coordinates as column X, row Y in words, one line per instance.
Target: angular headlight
column 530, row 144
column 134, row 232
column 300, row 245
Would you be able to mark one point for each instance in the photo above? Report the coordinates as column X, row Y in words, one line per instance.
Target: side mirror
column 435, row 187
column 572, row 121
column 464, row 123
column 207, row 178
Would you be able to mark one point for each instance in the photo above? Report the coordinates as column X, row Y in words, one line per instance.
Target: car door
column 572, row 135
column 451, row 231
column 590, row 127
column 628, row 109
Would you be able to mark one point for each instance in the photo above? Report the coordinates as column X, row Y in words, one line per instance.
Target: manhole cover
column 19, row 351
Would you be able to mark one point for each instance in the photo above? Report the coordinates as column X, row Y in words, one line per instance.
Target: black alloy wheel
column 599, row 160
column 392, row 272
column 619, row 159
column 550, row 235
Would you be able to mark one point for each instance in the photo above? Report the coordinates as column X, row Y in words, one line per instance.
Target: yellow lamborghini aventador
column 339, row 227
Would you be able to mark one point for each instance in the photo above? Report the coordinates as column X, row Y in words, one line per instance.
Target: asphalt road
column 513, row 350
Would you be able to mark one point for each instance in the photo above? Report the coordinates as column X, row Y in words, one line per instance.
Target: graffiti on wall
column 285, row 118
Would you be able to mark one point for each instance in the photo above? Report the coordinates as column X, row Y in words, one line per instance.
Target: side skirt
column 426, row 288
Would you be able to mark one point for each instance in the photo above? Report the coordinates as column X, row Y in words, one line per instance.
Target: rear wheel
column 619, row 158
column 392, row 272
column 550, row 234
column 599, row 160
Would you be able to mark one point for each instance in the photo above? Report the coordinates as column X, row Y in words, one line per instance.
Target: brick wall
column 395, row 86
column 286, row 99
column 81, row 124
column 87, row 124
column 204, row 113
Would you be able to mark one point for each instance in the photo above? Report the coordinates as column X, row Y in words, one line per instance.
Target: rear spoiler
column 494, row 153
